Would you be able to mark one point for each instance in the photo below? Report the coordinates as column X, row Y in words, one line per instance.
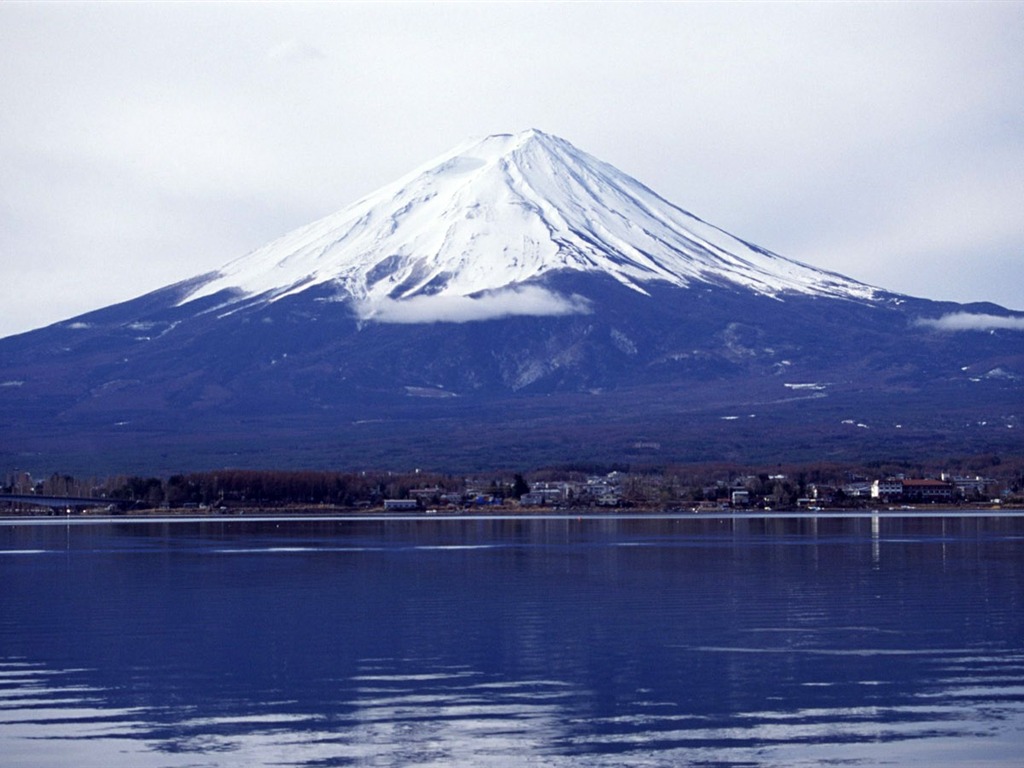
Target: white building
column 890, row 488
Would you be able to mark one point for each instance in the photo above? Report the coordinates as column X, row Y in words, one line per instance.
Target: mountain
column 498, row 213
column 515, row 302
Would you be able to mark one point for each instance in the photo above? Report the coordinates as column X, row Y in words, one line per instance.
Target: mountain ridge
column 274, row 363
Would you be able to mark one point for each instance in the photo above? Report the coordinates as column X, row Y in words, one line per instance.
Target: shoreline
column 346, row 515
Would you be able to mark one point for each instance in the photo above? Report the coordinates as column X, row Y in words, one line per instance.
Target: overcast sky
column 141, row 144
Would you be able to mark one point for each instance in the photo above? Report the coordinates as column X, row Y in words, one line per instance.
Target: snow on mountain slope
column 458, row 238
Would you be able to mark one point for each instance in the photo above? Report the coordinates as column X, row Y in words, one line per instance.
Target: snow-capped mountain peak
column 484, row 222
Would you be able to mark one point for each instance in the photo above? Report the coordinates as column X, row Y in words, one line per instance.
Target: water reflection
column 460, row 716
column 423, row 718
column 552, row 642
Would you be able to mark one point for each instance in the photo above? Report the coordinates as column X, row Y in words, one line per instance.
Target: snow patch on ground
column 430, row 392
column 623, row 343
column 814, row 387
column 1001, row 373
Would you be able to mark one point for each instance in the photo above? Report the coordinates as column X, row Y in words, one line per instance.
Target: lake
column 549, row 641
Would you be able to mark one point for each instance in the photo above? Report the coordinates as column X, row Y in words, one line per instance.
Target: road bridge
column 55, row 503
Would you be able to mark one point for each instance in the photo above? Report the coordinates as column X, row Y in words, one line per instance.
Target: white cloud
column 532, row 301
column 966, row 321
column 293, row 50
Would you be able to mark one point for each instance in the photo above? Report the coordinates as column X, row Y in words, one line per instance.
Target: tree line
column 238, row 487
column 665, row 485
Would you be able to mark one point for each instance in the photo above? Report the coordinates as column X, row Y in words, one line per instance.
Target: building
column 969, row 486
column 857, row 489
column 426, row 494
column 927, row 490
column 888, row 489
column 400, row 505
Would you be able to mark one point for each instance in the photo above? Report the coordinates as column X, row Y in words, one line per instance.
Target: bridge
column 66, row 503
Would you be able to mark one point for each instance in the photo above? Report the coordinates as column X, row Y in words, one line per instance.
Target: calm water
column 552, row 642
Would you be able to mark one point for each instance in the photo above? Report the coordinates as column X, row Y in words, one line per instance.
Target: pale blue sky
column 141, row 144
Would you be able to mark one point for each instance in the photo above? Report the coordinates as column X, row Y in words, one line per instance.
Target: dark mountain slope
column 301, row 382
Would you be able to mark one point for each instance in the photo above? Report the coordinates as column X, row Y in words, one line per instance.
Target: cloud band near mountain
column 531, row 301
column 967, row 321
